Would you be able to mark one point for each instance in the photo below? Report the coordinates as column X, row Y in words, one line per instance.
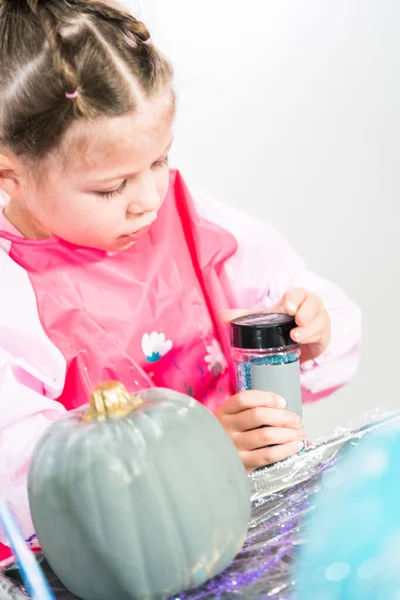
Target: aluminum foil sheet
column 282, row 495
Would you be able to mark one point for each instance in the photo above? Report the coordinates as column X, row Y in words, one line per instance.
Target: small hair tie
column 148, row 42
column 71, row 96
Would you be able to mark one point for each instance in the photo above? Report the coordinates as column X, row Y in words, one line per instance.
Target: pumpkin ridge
column 137, row 524
column 155, row 485
column 222, row 449
column 172, row 509
column 101, row 556
column 203, row 491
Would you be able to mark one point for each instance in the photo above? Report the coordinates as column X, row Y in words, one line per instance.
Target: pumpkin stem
column 111, row 399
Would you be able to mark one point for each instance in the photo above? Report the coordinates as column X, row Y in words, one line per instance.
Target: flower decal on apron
column 216, row 360
column 155, row 346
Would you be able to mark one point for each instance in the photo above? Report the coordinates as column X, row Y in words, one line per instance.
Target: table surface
column 282, row 496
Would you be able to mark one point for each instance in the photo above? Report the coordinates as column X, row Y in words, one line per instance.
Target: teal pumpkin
column 138, row 498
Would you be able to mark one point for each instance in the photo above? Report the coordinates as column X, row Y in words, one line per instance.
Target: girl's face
column 103, row 187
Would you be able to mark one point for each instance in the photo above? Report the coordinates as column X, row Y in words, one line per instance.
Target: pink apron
column 145, row 316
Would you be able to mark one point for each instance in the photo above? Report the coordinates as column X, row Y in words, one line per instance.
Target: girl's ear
column 11, row 175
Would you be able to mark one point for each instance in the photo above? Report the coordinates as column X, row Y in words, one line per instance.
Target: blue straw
column 32, row 574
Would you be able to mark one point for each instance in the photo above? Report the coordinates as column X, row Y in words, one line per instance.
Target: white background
column 289, row 110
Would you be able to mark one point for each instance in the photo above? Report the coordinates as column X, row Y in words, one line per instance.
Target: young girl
column 110, row 267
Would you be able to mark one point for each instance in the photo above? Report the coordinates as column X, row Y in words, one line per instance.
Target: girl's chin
column 121, row 244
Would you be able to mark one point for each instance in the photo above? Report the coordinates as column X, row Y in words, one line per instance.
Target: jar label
column 283, row 380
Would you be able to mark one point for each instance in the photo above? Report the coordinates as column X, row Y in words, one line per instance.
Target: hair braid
column 62, row 59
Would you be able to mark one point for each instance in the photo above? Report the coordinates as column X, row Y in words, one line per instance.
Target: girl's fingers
column 254, row 459
column 294, row 299
column 308, row 311
column 267, row 436
column 304, row 305
column 261, row 416
column 316, row 331
column 251, row 399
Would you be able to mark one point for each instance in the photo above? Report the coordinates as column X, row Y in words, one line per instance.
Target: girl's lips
column 135, row 236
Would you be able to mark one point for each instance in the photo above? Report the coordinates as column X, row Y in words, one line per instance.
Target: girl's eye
column 112, row 193
column 160, row 164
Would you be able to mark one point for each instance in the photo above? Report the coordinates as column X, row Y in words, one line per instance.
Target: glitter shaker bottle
column 266, row 358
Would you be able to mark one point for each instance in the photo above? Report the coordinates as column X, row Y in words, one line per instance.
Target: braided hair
column 61, row 60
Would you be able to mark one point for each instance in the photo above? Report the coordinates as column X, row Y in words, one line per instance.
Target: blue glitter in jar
column 243, row 369
column 266, row 358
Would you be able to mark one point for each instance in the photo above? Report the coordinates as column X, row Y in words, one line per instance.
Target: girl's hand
column 261, row 429
column 313, row 329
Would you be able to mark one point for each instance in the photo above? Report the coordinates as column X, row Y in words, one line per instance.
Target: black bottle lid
column 262, row 331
